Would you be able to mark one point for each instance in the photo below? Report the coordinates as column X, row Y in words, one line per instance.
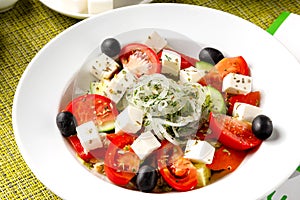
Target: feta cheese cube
column 77, row 6
column 156, row 42
column 199, row 151
column 129, row 120
column 245, row 112
column 98, row 6
column 119, row 85
column 191, row 74
column 103, row 67
column 88, row 136
column 237, row 84
column 171, row 62
column 145, row 144
column 99, row 87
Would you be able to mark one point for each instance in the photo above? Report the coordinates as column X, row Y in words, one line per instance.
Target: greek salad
column 157, row 120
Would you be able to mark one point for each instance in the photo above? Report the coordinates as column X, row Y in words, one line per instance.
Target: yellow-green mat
column 26, row 28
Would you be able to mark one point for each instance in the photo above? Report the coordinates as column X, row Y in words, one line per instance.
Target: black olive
column 210, row 55
column 111, row 47
column 146, row 179
column 66, row 123
column 262, row 127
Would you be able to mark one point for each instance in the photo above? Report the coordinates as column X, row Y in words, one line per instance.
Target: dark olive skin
column 66, row 123
column 262, row 127
column 146, row 179
column 111, row 47
column 210, row 55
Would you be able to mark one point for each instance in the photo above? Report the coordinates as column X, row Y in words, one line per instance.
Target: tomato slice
column 92, row 107
column 121, row 164
column 176, row 170
column 231, row 132
column 227, row 65
column 227, row 159
column 140, row 59
column 212, row 78
column 252, row 98
column 236, row 65
column 75, row 142
column 98, row 153
column 186, row 61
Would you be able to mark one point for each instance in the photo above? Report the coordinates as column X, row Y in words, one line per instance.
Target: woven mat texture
column 26, row 28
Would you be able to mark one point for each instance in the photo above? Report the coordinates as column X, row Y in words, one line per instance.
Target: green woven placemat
column 26, row 28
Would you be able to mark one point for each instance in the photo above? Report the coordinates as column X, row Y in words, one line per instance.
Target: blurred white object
column 92, row 7
column 7, row 4
column 288, row 34
column 82, row 9
column 78, row 6
column 122, row 3
column 87, row 6
column 98, row 6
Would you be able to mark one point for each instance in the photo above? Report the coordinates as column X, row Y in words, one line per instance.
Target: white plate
column 274, row 69
column 56, row 5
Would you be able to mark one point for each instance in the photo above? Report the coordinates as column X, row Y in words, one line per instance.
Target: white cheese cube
column 237, row 84
column 77, row 6
column 98, row 6
column 156, row 42
column 99, row 87
column 145, row 144
column 245, row 112
column 103, row 67
column 88, row 136
column 129, row 120
column 199, row 151
column 119, row 84
column 171, row 62
column 191, row 74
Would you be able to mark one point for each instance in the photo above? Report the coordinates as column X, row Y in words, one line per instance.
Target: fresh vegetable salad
column 157, row 120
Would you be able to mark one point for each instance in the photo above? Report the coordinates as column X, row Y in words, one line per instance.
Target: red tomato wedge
column 186, row 61
column 252, row 98
column 140, row 59
column 236, row 65
column 176, row 170
column 92, row 107
column 227, row 159
column 213, row 79
column 121, row 164
column 231, row 132
column 227, row 65
column 75, row 142
column 98, row 153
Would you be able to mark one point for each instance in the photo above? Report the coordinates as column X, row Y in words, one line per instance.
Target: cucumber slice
column 217, row 103
column 203, row 174
column 204, row 66
column 107, row 126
